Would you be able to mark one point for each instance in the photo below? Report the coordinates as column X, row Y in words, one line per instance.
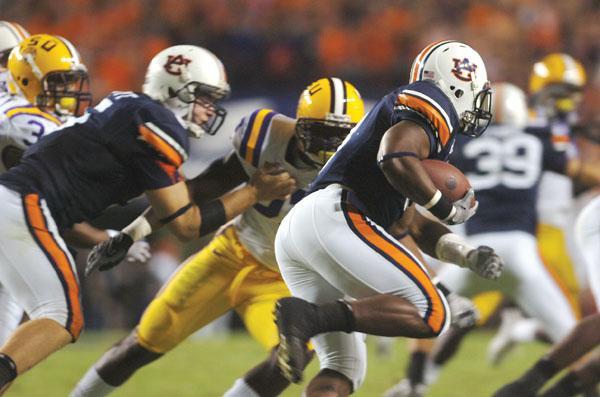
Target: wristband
column 440, row 206
column 212, row 216
column 138, row 229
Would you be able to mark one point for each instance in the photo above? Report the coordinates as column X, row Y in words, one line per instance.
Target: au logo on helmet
column 463, row 69
column 174, row 64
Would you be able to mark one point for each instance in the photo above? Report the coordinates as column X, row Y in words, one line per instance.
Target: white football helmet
column 183, row 76
column 510, row 105
column 460, row 73
column 11, row 34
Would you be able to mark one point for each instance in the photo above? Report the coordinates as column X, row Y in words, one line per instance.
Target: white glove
column 485, row 262
column 463, row 209
column 139, row 252
column 464, row 312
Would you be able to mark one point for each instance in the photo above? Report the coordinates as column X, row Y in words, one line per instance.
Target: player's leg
column 395, row 295
column 39, row 272
column 194, row 296
column 255, row 302
column 583, row 338
column 587, row 233
column 10, row 315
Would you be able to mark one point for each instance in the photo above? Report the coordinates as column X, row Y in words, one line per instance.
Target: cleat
column 503, row 341
column 405, row 389
column 293, row 316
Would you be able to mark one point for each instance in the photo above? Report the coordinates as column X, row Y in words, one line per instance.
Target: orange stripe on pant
column 59, row 260
column 436, row 315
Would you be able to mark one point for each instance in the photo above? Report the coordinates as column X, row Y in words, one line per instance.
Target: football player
column 33, row 107
column 334, row 246
column 237, row 269
column 11, row 34
column 128, row 144
column 505, row 169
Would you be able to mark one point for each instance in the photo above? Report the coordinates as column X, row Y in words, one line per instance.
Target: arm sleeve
column 251, row 136
column 162, row 147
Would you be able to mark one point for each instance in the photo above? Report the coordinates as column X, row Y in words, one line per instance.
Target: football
column 450, row 180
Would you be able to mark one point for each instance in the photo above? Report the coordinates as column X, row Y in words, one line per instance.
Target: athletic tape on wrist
column 138, row 229
column 437, row 196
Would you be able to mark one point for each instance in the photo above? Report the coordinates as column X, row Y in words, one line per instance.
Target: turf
column 207, row 367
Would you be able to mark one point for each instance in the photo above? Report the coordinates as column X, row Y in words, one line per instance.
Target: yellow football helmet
column 47, row 70
column 327, row 111
column 556, row 82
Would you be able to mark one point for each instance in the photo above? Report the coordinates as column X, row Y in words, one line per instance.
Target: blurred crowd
column 270, row 45
column 273, row 48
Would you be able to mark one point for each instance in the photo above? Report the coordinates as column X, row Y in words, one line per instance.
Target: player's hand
column 139, row 252
column 272, row 182
column 108, row 253
column 463, row 310
column 465, row 208
column 485, row 262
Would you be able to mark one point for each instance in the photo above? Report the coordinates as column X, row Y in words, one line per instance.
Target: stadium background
column 271, row 50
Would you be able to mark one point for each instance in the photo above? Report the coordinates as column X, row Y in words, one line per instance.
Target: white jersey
column 555, row 197
column 21, row 125
column 260, row 138
column 3, row 81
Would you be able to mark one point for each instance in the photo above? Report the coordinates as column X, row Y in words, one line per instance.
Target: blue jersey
column 127, row 144
column 504, row 167
column 355, row 166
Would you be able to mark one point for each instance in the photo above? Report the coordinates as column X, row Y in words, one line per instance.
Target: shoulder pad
column 250, row 135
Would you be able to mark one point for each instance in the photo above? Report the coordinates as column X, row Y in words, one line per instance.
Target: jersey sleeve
column 252, row 135
column 424, row 105
column 163, row 147
column 27, row 125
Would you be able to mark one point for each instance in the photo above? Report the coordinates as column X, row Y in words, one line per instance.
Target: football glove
column 464, row 312
column 485, row 262
column 108, row 253
column 464, row 208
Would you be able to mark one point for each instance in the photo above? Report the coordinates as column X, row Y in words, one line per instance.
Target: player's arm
column 84, row 235
column 585, row 172
column 438, row 241
column 401, row 150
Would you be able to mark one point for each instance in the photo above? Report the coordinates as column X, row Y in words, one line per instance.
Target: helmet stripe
column 22, row 33
column 331, row 96
column 338, row 96
column 344, row 98
column 417, row 69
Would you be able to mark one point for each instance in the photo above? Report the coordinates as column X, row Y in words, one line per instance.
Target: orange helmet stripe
column 418, row 64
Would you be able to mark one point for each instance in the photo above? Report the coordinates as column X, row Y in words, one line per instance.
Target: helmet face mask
column 321, row 138
column 195, row 94
column 475, row 122
column 66, row 92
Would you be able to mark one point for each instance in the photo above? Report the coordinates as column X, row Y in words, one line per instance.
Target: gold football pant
column 556, row 259
column 222, row 276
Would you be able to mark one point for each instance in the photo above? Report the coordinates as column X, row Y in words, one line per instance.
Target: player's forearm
column 84, row 235
column 408, row 177
column 427, row 233
column 585, row 173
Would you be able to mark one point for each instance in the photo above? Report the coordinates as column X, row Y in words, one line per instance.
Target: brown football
column 452, row 183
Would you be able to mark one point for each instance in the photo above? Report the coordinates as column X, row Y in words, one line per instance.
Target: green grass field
column 207, row 367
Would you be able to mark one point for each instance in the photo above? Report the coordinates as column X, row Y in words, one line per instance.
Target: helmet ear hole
column 459, row 93
column 452, row 88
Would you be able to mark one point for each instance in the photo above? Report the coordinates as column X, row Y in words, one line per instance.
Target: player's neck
column 296, row 157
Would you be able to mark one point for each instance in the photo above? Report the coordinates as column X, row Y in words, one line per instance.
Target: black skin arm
column 424, row 231
column 406, row 174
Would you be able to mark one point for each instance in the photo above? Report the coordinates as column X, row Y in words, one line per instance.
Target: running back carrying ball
column 448, row 179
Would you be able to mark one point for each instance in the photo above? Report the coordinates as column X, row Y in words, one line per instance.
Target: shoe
column 293, row 317
column 503, row 341
column 405, row 389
